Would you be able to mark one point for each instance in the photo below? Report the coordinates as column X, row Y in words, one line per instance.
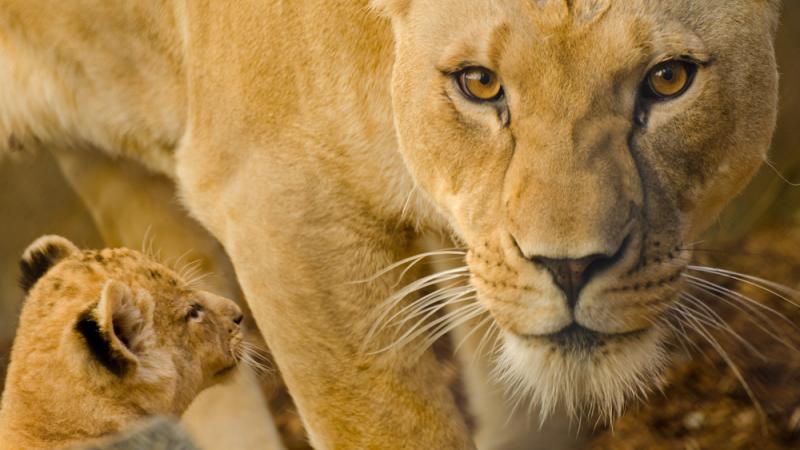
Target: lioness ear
column 391, row 8
column 118, row 329
column 40, row 256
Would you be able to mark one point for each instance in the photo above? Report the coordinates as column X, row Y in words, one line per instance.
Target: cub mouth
column 577, row 338
column 226, row 370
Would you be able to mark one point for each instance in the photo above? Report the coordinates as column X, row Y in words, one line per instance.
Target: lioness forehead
column 555, row 13
column 542, row 17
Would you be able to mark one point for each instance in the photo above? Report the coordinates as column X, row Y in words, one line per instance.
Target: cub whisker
column 254, row 357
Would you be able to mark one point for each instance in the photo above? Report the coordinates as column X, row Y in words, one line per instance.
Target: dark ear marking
column 41, row 256
column 36, row 265
column 99, row 344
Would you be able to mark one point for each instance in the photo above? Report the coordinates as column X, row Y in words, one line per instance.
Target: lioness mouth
column 576, row 337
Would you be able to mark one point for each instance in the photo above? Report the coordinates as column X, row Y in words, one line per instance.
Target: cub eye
column 479, row 84
column 195, row 312
column 669, row 79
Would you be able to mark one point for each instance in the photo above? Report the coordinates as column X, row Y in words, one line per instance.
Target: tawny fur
column 60, row 391
column 316, row 139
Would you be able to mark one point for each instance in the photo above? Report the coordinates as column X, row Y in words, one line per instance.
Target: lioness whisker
column 712, row 287
column 421, row 326
column 760, row 319
column 771, row 287
column 471, row 332
column 424, row 304
column 434, row 298
column 701, row 330
column 438, row 308
column 713, row 319
column 680, row 335
column 411, row 261
column 448, row 316
column 427, row 281
column 451, row 325
column 493, row 335
column 758, row 282
column 676, row 325
column 386, row 308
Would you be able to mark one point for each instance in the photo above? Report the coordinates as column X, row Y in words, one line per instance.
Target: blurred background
column 35, row 199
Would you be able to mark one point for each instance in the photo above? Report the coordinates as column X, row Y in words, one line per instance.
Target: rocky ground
column 705, row 405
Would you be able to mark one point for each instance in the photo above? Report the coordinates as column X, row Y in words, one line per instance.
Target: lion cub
column 107, row 338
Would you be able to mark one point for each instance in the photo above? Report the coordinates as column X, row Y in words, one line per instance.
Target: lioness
column 107, row 338
column 573, row 149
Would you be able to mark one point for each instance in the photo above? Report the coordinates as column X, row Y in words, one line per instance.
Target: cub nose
column 236, row 317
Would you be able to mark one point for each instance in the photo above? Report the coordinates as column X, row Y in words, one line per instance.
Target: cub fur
column 106, row 338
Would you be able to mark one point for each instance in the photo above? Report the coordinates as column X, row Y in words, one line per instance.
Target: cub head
column 578, row 148
column 117, row 322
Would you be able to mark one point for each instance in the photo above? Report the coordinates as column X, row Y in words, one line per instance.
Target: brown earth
column 705, row 405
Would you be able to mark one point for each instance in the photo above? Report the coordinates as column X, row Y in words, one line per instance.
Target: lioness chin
column 577, row 149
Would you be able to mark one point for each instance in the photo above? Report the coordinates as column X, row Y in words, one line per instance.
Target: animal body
column 574, row 150
column 107, row 338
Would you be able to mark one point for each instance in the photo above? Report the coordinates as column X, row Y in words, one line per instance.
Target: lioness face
column 578, row 149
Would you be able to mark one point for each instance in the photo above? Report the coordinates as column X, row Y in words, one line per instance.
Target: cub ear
column 391, row 8
column 118, row 329
column 40, row 256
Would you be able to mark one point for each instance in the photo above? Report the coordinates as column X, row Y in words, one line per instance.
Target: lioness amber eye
column 670, row 79
column 479, row 84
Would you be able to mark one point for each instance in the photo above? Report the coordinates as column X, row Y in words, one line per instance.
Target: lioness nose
column 571, row 275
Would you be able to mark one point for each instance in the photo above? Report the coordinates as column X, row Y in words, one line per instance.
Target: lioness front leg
column 298, row 256
column 316, row 320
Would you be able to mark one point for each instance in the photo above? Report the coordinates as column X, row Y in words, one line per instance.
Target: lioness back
column 109, row 75
column 106, row 338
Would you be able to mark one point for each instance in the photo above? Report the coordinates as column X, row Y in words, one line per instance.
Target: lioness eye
column 479, row 84
column 669, row 79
